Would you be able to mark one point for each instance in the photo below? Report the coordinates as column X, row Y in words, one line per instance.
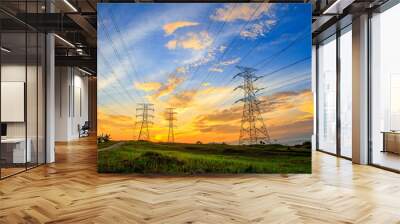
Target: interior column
column 360, row 90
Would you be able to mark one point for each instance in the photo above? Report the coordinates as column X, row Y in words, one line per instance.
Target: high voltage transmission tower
column 144, row 113
column 253, row 129
column 170, row 116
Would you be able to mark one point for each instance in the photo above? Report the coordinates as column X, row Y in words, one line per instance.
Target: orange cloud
column 181, row 69
column 232, row 12
column 287, row 115
column 195, row 41
column 120, row 127
column 148, row 86
column 167, row 88
column 170, row 28
column 171, row 44
column 182, row 99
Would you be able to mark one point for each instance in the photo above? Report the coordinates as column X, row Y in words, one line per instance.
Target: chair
column 84, row 130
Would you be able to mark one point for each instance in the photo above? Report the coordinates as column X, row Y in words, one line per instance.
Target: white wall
column 12, row 73
column 71, row 103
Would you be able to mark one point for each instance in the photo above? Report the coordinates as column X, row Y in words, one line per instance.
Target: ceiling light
column 64, row 40
column 84, row 71
column 5, row 50
column 70, row 5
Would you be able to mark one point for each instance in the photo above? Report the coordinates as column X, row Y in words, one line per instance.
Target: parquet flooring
column 71, row 191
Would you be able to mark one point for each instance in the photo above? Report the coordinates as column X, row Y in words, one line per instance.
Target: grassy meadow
column 179, row 158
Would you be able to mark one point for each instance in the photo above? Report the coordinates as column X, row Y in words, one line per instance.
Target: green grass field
column 179, row 158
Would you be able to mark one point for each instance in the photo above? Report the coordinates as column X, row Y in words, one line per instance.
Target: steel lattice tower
column 253, row 129
column 144, row 113
column 170, row 116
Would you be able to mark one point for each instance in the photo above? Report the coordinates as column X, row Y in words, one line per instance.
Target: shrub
column 103, row 138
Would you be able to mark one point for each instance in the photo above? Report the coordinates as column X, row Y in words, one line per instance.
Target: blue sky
column 171, row 54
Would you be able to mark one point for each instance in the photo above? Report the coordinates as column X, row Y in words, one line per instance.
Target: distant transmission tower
column 170, row 114
column 253, row 129
column 144, row 113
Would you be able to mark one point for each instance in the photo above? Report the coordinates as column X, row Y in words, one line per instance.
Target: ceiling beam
column 84, row 24
column 77, row 61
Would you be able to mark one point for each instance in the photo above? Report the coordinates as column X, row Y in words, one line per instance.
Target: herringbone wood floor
column 71, row 191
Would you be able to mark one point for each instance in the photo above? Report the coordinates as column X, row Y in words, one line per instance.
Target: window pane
column 327, row 96
column 346, row 94
column 13, row 86
column 386, row 89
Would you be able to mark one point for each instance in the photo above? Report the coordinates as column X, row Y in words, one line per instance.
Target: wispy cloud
column 230, row 12
column 214, row 69
column 181, row 69
column 230, row 61
column 219, row 66
column 109, row 77
column 258, row 29
column 248, row 12
column 170, row 28
column 148, row 86
column 191, row 40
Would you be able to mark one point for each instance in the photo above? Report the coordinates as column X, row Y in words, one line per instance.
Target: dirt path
column 111, row 146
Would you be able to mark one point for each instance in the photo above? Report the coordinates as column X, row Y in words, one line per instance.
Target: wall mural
column 204, row 88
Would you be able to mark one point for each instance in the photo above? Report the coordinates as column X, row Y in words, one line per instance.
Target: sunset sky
column 184, row 56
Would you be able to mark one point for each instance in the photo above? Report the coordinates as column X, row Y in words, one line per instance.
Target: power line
column 107, row 34
column 282, row 68
column 233, row 41
column 261, row 39
column 274, row 56
column 115, row 92
column 230, row 43
column 252, row 49
column 216, row 37
column 104, row 60
column 286, row 66
column 122, row 39
column 115, row 100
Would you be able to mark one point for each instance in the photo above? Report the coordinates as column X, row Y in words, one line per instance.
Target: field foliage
column 178, row 158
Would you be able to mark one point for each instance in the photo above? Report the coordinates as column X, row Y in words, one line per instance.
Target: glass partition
column 385, row 89
column 22, row 98
column 346, row 92
column 327, row 95
column 13, row 94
